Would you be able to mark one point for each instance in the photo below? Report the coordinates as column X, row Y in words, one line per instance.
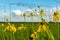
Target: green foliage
column 25, row 34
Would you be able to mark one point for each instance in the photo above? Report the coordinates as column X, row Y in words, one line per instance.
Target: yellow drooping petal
column 33, row 35
column 21, row 28
column 59, row 16
column 55, row 18
column 2, row 24
column 8, row 28
column 44, row 28
column 13, row 29
column 39, row 29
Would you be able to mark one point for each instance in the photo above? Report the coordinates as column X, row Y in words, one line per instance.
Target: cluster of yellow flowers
column 42, row 28
column 11, row 28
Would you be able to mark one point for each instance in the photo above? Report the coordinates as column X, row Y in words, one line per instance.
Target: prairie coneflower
column 39, row 29
column 42, row 27
column 43, row 30
column 21, row 27
column 11, row 28
column 2, row 24
column 33, row 35
column 42, row 12
column 56, row 17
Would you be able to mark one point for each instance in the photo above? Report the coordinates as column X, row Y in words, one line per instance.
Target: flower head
column 11, row 28
column 21, row 27
column 2, row 24
column 39, row 29
column 33, row 35
column 42, row 12
column 56, row 13
column 56, row 17
column 44, row 28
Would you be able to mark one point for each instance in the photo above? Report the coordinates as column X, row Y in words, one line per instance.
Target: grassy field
column 24, row 34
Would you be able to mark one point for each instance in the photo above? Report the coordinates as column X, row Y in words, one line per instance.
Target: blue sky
column 34, row 3
column 45, row 4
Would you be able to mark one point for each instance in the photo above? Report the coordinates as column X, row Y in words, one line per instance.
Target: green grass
column 24, row 35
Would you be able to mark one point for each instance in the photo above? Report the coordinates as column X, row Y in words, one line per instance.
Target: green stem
column 32, row 23
column 13, row 36
column 3, row 34
column 38, row 20
column 58, row 30
column 10, row 35
column 25, row 20
column 3, row 37
column 50, row 35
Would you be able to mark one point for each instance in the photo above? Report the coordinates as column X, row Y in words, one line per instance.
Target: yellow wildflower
column 39, row 29
column 44, row 27
column 8, row 28
column 59, row 16
column 33, row 35
column 2, row 24
column 21, row 27
column 42, row 12
column 11, row 28
column 56, row 17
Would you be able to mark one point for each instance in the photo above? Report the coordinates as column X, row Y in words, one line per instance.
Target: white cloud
column 17, row 12
column 55, row 9
column 47, row 16
column 31, row 10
